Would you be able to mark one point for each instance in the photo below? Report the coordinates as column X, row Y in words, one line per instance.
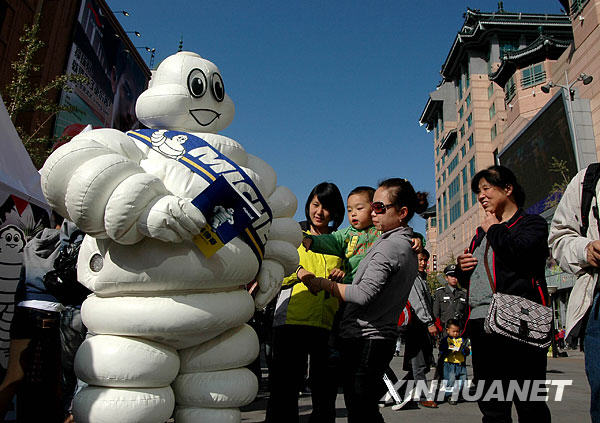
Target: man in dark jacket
column 449, row 301
column 419, row 348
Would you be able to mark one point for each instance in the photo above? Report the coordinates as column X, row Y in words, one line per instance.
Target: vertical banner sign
column 115, row 78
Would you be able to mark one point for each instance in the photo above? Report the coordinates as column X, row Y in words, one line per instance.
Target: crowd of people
column 358, row 295
column 376, row 269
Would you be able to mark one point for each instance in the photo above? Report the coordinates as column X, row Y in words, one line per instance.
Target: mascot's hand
column 269, row 283
column 171, row 219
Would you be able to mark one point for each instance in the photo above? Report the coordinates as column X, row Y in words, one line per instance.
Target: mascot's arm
column 281, row 250
column 96, row 181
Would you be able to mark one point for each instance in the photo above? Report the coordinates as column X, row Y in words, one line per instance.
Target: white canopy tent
column 18, row 175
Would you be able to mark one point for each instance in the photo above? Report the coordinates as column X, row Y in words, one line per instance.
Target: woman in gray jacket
column 376, row 298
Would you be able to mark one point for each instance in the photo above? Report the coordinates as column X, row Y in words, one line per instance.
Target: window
column 508, row 45
column 471, row 141
column 437, row 166
column 445, row 214
column 509, row 89
column 496, row 159
column 473, row 198
column 466, row 201
column 462, row 131
column 472, row 167
column 437, row 133
column 533, row 75
column 463, row 151
column 438, row 183
column 454, row 188
column 468, row 100
column 454, row 199
column 454, row 212
column 490, row 90
column 437, row 151
column 444, row 177
column 443, row 159
column 440, row 212
column 492, row 110
column 452, row 165
column 493, row 132
column 464, row 177
column 577, row 6
column 460, row 87
column 469, row 120
column 451, row 148
column 460, row 113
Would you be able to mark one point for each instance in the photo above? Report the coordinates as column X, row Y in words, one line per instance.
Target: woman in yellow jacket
column 302, row 321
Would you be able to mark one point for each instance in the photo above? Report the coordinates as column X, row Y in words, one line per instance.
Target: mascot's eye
column 197, row 83
column 8, row 237
column 217, row 87
column 17, row 238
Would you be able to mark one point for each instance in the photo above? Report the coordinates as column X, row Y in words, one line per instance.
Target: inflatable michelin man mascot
column 169, row 321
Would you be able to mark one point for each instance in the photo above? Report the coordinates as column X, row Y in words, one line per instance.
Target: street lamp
column 583, row 77
column 137, row 34
column 151, row 51
column 124, row 12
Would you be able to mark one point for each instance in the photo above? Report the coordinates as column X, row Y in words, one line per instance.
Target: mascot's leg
column 129, row 376
column 213, row 383
column 129, row 380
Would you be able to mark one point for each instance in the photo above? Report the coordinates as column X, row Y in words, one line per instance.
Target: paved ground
column 574, row 407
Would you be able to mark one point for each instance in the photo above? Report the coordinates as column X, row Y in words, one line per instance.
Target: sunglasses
column 379, row 208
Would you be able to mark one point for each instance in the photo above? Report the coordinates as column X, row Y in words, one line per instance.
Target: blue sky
column 324, row 91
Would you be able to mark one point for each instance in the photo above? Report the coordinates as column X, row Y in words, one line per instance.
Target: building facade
column 543, row 108
column 78, row 36
column 468, row 112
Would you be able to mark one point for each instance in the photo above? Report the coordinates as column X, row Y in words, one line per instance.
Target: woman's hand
column 337, row 275
column 417, row 245
column 309, row 279
column 466, row 261
column 313, row 284
column 489, row 220
column 593, row 253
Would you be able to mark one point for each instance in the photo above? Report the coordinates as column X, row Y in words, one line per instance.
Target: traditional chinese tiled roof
column 542, row 48
column 479, row 25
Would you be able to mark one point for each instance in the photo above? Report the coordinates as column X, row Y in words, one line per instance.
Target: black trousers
column 39, row 392
column 496, row 357
column 292, row 345
column 364, row 362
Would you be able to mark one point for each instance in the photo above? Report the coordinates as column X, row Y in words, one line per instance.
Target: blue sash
column 209, row 163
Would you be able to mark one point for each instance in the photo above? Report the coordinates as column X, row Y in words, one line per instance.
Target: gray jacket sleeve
column 420, row 300
column 372, row 281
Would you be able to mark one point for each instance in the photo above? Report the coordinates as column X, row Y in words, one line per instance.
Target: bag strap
column 487, row 267
column 592, row 174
